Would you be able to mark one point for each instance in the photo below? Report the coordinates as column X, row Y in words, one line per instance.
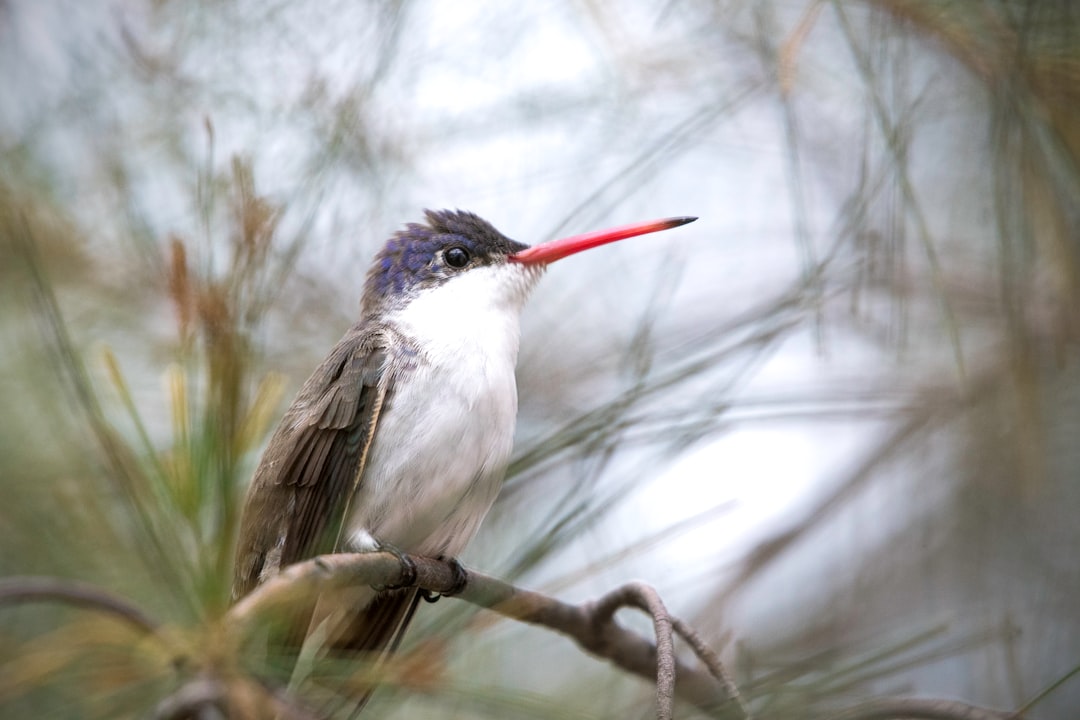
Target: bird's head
column 423, row 256
column 456, row 244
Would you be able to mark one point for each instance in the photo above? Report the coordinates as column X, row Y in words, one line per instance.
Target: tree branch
column 591, row 625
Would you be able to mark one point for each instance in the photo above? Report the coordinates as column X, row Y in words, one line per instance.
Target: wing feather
column 299, row 498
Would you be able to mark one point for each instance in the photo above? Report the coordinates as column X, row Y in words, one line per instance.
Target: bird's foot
column 408, row 569
column 461, row 578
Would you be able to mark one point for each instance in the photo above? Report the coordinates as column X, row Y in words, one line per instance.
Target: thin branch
column 1039, row 696
column 711, row 661
column 645, row 598
column 79, row 594
column 898, row 151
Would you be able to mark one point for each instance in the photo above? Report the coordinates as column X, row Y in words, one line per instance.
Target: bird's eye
column 457, row 257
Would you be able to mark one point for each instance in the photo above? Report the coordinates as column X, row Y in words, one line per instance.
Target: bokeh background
column 835, row 422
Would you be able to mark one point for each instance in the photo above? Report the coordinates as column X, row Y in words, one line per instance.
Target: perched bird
column 401, row 437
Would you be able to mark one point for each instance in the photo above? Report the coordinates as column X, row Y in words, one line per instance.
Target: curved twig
column 80, row 594
column 711, row 661
column 645, row 598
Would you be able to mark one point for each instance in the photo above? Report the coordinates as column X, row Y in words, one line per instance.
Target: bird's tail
column 367, row 637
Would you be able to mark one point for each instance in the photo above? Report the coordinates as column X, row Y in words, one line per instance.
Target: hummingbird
column 400, row 439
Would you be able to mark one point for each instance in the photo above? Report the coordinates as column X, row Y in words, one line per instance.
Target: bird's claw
column 408, row 570
column 460, row 580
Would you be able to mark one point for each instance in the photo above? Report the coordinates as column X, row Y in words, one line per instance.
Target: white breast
column 443, row 442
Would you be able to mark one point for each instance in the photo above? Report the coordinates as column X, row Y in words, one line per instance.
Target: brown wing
column 299, row 497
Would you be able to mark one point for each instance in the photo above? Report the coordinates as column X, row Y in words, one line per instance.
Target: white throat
column 471, row 316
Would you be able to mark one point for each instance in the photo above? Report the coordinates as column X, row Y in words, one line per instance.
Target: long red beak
column 549, row 252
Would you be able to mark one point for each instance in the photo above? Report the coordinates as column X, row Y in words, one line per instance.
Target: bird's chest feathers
column 467, row 334
column 445, row 437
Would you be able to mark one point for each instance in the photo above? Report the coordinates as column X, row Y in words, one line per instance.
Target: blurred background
column 835, row 422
